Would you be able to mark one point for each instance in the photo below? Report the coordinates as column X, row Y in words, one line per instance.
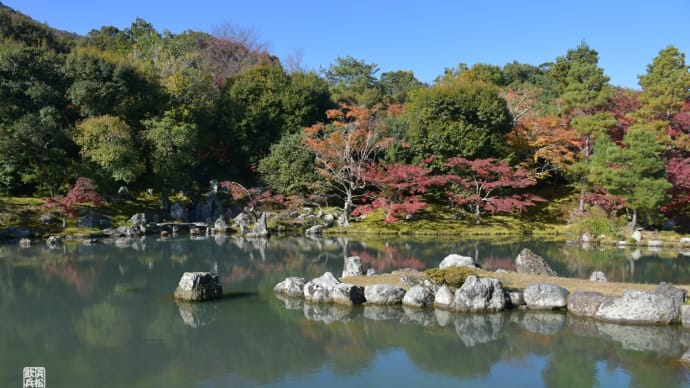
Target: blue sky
column 423, row 36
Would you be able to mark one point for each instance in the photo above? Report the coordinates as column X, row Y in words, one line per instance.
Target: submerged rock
column 528, row 262
column 199, row 286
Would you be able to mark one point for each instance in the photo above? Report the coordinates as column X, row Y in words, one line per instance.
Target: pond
column 102, row 316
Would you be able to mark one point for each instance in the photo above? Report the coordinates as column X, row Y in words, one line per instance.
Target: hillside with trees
column 170, row 112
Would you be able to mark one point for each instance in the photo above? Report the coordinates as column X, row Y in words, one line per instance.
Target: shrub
column 452, row 276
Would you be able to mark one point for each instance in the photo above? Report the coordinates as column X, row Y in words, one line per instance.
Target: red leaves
column 678, row 174
column 83, row 191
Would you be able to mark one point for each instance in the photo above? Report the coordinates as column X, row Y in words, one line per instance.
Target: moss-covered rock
column 452, row 276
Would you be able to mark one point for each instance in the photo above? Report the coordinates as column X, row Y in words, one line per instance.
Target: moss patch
column 452, row 276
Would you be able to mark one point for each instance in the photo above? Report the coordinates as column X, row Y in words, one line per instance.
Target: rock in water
column 444, row 298
column 455, row 260
column 198, row 286
column 483, row 294
column 352, row 267
column 344, row 293
column 383, row 294
column 318, row 290
column 660, row 306
column 419, row 297
column 291, row 286
column 540, row 296
column 528, row 262
column 585, row 303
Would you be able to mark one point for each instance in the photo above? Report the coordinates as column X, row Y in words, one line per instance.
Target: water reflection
column 88, row 313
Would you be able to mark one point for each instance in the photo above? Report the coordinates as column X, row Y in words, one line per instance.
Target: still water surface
column 102, row 316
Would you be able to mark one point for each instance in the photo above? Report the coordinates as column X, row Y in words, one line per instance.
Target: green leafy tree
column 634, row 171
column 665, row 87
column 458, row 118
column 289, row 167
column 108, row 142
column 353, row 81
column 397, row 86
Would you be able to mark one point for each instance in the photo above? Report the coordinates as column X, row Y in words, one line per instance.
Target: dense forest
column 171, row 112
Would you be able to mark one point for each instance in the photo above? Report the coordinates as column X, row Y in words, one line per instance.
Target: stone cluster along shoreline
column 663, row 305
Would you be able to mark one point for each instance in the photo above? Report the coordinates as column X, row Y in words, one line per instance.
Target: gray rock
column 660, row 306
column 198, row 286
column 528, row 262
column 53, row 241
column 352, row 266
column 444, row 298
column 419, row 297
column 318, row 290
column 260, row 228
column 179, row 212
column 543, row 322
column 383, row 294
column 685, row 315
column 598, row 276
column 25, row 242
column 540, row 296
column 93, row 220
column 123, row 193
column 220, row 225
column 485, row 294
column 291, row 286
column 242, row 221
column 455, row 260
column 476, row 329
column 516, row 298
column 585, row 303
column 348, row 294
column 47, row 219
column 371, row 272
column 637, row 236
column 382, row 312
column 315, row 230
column 208, row 209
column 328, row 220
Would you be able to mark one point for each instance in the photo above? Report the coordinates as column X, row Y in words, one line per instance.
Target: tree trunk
column 633, row 222
column 347, row 210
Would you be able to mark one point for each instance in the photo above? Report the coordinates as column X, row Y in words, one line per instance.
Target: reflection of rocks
column 474, row 329
column 485, row 294
column 423, row 317
column 528, row 262
column 382, row 312
column 291, row 303
column 327, row 313
column 585, row 303
column 443, row 317
column 196, row 314
column 660, row 339
column 543, row 322
column 540, row 296
column 582, row 326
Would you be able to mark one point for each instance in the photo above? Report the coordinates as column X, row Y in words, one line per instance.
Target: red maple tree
column 83, row 192
column 484, row 185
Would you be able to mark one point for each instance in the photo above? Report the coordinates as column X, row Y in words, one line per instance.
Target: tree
column 353, row 81
column 83, row 192
column 397, row 86
column 482, row 185
column 108, row 141
column 344, row 148
column 665, row 87
column 289, row 167
column 458, row 118
column 678, row 174
column 399, row 189
column 635, row 171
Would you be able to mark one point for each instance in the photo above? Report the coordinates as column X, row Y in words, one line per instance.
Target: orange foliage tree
column 344, row 148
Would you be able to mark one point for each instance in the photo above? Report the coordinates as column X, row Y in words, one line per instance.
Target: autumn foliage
column 83, row 192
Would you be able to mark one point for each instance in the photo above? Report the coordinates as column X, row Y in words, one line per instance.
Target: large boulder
column 348, row 294
column 383, row 294
column 318, row 290
column 220, row 225
column 352, row 267
column 540, row 296
column 585, row 303
column 198, row 286
column 419, row 297
column 444, row 298
column 455, row 260
column 476, row 294
column 260, row 228
column 291, row 286
column 315, row 230
column 598, row 276
column 528, row 262
column 660, row 306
